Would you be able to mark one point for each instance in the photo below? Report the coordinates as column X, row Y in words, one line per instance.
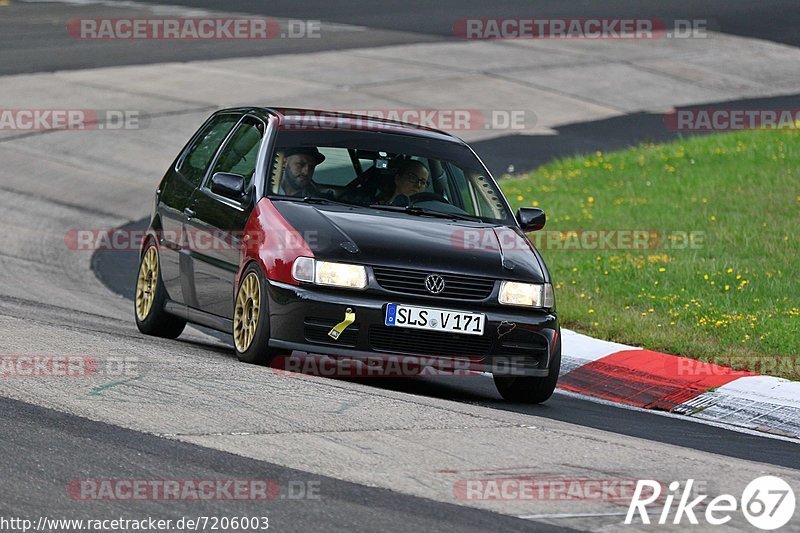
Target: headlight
column 340, row 275
column 330, row 274
column 526, row 294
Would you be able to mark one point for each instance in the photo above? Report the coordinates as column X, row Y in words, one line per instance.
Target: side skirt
column 199, row 317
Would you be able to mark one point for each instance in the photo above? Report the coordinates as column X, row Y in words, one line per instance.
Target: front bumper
column 515, row 341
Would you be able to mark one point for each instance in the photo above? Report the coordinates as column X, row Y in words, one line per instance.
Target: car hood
column 372, row 237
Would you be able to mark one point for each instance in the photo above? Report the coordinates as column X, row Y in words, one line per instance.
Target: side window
column 240, row 153
column 195, row 163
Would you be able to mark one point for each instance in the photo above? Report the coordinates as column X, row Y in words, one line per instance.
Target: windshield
column 383, row 170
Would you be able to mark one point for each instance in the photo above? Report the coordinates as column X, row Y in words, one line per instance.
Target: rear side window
column 195, row 163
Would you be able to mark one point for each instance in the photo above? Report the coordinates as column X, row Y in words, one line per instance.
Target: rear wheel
column 529, row 389
column 151, row 319
column 251, row 319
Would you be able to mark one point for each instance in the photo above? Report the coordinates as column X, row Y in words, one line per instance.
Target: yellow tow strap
column 338, row 329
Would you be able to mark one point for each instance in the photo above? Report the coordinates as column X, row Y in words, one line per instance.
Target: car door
column 176, row 193
column 218, row 221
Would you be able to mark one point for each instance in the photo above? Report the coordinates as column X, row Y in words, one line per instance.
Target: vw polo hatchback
column 348, row 236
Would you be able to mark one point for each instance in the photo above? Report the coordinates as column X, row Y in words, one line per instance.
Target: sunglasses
column 421, row 181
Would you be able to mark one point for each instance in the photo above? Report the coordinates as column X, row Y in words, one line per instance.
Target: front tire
column 151, row 319
column 529, row 389
column 251, row 319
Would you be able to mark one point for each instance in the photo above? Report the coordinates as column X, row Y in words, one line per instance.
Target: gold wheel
column 147, row 283
column 246, row 314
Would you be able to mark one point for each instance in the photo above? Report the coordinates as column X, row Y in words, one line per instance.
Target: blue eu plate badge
column 391, row 313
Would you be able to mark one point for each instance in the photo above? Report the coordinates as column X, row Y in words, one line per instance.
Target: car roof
column 318, row 118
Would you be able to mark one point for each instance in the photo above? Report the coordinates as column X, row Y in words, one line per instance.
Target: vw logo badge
column 434, row 283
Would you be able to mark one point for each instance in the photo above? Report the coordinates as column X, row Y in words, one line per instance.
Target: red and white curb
column 653, row 380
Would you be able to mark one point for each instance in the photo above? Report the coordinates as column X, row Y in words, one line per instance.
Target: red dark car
column 297, row 230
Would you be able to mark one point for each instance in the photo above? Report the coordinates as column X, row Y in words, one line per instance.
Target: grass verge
column 704, row 258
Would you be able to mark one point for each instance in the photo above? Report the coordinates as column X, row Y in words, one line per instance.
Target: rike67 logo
column 768, row 503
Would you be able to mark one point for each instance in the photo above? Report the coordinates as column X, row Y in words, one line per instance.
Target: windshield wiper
column 422, row 211
column 312, row 200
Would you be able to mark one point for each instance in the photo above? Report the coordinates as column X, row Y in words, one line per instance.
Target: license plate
column 409, row 316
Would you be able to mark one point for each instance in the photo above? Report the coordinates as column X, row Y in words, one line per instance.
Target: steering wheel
column 427, row 197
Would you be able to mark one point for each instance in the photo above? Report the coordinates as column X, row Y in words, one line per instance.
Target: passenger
column 298, row 169
column 412, row 178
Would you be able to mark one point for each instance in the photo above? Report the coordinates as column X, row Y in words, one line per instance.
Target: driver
column 298, row 168
column 412, row 178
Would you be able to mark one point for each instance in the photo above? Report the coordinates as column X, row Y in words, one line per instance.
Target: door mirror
column 228, row 185
column 531, row 218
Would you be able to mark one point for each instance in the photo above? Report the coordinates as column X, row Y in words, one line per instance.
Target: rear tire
column 529, row 389
column 251, row 319
column 150, row 297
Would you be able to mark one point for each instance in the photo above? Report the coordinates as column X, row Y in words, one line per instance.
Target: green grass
column 733, row 299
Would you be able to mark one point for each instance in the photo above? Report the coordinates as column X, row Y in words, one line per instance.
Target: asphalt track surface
column 123, row 454
column 46, row 448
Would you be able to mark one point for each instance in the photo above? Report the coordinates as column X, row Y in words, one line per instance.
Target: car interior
column 365, row 177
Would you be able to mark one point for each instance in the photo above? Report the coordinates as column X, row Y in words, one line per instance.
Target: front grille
column 456, row 286
column 420, row 342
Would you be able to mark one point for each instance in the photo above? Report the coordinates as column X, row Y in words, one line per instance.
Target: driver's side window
column 240, row 153
column 194, row 165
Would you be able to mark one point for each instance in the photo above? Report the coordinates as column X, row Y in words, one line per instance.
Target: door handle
column 189, row 212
